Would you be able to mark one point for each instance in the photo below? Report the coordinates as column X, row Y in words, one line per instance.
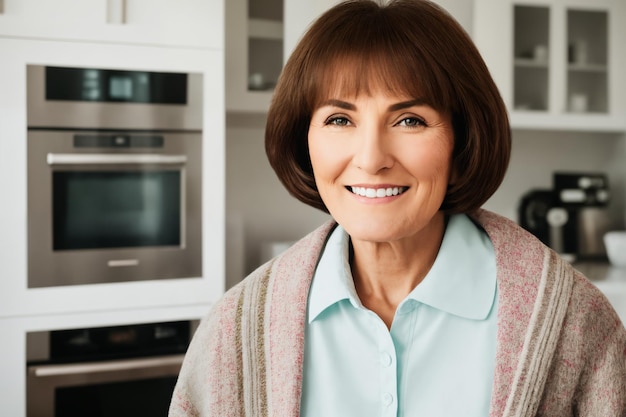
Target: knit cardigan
column 561, row 348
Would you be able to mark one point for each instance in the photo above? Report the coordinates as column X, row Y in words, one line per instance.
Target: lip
column 376, row 192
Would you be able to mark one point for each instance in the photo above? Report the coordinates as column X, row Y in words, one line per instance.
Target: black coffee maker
column 571, row 217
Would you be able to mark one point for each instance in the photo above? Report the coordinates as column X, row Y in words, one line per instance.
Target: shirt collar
column 447, row 286
column 332, row 281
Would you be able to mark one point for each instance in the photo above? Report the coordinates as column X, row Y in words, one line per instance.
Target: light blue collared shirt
column 438, row 358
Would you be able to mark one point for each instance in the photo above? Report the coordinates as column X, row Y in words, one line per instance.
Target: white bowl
column 615, row 244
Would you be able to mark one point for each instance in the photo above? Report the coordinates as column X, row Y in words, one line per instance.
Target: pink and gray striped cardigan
column 561, row 348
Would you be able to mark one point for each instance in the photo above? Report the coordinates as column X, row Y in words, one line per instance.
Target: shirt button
column 385, row 359
column 387, row 399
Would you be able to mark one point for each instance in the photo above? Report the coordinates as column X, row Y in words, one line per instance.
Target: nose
column 372, row 153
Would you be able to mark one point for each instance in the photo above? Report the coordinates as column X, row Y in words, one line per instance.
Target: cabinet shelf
column 588, row 68
column 265, row 29
column 530, row 63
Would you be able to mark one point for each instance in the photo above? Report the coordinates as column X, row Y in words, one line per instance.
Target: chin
column 373, row 231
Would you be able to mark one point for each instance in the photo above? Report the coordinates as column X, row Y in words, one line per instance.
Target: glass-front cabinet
column 254, row 52
column 557, row 62
column 531, row 37
column 587, row 61
column 260, row 34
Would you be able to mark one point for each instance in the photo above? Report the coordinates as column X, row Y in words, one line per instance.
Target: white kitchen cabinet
column 558, row 63
column 190, row 23
column 260, row 35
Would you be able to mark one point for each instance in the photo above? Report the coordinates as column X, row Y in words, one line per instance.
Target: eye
column 411, row 122
column 337, row 121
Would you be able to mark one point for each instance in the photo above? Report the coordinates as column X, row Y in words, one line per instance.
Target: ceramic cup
column 578, row 103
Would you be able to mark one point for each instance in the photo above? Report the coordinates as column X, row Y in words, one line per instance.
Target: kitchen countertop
column 602, row 272
column 610, row 280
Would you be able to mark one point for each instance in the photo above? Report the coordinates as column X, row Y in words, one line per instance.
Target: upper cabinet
column 181, row 23
column 254, row 52
column 260, row 35
column 557, row 63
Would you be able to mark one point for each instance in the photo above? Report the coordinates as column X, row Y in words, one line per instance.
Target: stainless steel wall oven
column 114, row 175
column 111, row 371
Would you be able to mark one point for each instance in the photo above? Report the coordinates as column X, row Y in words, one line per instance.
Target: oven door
column 119, row 388
column 123, row 215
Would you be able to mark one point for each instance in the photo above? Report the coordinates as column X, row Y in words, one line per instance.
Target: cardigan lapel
column 289, row 284
column 534, row 287
column 542, row 337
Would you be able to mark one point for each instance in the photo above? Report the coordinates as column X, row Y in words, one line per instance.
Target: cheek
column 429, row 162
column 326, row 159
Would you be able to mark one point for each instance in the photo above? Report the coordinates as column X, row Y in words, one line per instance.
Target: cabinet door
column 493, row 20
column 254, row 53
column 61, row 19
column 555, row 61
column 196, row 23
column 298, row 17
column 260, row 35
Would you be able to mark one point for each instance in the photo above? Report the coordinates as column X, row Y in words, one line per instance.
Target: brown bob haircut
column 411, row 48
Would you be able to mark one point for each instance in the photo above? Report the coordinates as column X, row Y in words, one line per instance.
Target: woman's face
column 381, row 163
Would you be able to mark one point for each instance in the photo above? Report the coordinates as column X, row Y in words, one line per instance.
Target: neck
column 386, row 272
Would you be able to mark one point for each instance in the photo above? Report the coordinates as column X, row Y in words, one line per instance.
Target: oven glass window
column 140, row 398
column 102, row 209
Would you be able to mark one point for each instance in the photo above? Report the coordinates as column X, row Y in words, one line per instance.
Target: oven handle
column 108, row 366
column 100, row 159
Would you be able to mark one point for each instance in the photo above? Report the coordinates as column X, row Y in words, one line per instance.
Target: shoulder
column 503, row 231
column 526, row 259
column 520, row 256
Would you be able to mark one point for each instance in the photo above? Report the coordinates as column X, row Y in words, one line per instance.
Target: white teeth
column 377, row 192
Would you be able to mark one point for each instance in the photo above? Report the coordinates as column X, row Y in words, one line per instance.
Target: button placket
column 387, row 363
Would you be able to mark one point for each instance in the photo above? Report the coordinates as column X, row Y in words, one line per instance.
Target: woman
column 413, row 300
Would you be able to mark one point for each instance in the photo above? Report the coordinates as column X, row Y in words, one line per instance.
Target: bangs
column 379, row 59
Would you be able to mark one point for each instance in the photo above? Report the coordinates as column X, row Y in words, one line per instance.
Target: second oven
column 111, row 207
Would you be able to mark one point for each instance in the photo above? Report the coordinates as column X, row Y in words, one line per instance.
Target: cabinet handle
column 116, row 12
column 1, row 6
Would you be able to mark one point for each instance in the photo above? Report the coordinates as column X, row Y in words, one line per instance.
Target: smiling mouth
column 377, row 192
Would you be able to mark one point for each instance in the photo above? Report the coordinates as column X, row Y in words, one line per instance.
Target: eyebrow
column 394, row 107
column 338, row 103
column 407, row 104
